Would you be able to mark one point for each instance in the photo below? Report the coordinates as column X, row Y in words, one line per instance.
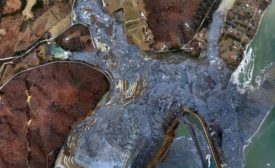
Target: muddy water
column 261, row 151
column 129, row 126
column 226, row 5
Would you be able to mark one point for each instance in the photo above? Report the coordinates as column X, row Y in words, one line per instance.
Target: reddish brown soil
column 59, row 94
column 169, row 20
column 10, row 26
column 76, row 38
column 18, row 34
column 12, row 6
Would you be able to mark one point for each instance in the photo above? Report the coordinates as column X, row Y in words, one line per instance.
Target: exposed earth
column 175, row 23
column 154, row 57
column 38, row 108
column 19, row 32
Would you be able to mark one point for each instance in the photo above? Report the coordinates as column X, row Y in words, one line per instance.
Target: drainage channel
column 170, row 136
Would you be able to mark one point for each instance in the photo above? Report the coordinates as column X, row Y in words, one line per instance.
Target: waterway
column 260, row 153
column 147, row 92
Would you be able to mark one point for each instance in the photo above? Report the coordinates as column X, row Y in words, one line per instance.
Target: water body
column 260, row 53
column 128, row 128
column 261, row 151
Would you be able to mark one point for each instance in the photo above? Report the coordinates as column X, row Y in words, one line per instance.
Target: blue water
column 261, row 152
